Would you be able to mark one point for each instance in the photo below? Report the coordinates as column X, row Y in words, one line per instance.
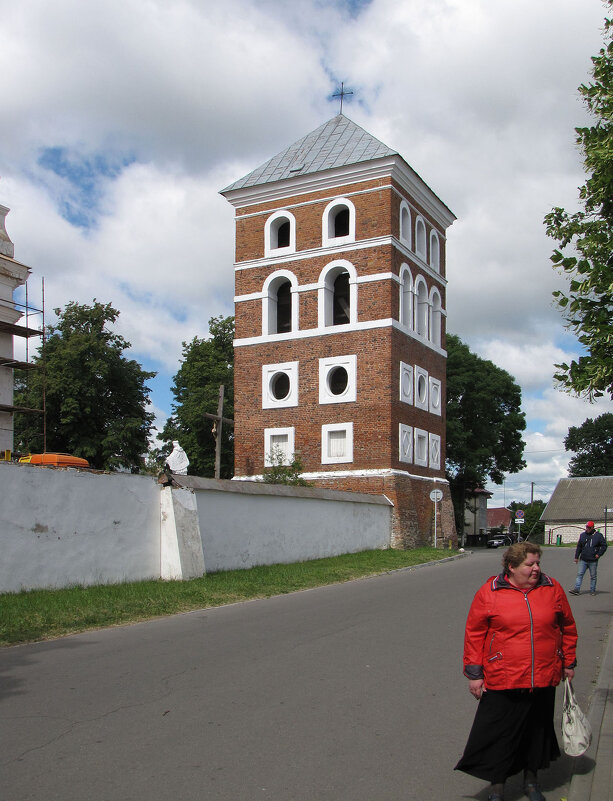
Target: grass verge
column 34, row 615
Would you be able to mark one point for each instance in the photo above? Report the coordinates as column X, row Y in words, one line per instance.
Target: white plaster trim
column 268, row 434
column 338, row 329
column 378, row 473
column 290, row 369
column 318, row 201
column 329, row 428
column 315, row 253
column 326, row 366
column 391, row 167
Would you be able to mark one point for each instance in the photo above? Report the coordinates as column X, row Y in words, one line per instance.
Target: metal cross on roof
column 342, row 94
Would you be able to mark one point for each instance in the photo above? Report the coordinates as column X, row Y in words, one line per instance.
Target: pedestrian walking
column 590, row 548
column 519, row 643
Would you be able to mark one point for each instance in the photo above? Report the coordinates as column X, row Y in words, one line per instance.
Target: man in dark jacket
column 590, row 548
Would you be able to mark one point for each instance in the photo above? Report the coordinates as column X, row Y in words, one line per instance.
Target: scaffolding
column 25, row 331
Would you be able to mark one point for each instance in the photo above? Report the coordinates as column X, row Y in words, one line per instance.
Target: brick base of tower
column 413, row 523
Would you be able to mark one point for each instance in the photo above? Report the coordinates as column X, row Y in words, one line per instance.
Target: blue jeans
column 583, row 566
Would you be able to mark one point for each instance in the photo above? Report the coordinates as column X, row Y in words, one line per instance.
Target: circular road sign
column 519, row 514
column 436, row 495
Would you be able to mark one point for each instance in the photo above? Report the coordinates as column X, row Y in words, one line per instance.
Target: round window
column 279, row 386
column 338, row 380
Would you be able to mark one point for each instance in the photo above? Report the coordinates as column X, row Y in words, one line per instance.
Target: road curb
column 592, row 778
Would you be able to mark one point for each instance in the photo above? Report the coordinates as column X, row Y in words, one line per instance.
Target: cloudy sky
column 122, row 119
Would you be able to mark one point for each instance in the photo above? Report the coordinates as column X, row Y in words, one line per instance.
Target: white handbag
column 576, row 729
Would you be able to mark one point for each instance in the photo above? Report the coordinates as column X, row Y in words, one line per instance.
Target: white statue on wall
column 177, row 460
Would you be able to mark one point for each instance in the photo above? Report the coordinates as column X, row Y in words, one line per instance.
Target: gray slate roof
column 336, row 143
column 580, row 499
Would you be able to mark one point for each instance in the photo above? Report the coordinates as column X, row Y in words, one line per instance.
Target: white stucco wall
column 60, row 527
column 245, row 524
column 64, row 527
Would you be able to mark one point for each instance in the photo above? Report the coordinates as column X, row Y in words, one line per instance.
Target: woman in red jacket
column 520, row 642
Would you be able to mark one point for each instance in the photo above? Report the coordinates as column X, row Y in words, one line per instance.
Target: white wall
column 64, row 527
column 60, row 527
column 250, row 523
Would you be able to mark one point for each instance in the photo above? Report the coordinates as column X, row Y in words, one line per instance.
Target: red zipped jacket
column 516, row 639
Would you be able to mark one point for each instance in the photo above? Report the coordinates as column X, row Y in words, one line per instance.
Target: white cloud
column 167, row 103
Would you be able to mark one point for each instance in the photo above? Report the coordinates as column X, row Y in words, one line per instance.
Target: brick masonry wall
column 378, row 410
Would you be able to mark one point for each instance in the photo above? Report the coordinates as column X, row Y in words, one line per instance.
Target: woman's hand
column 569, row 673
column 476, row 688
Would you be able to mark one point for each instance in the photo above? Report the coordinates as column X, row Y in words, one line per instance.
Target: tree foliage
column 95, row 397
column 592, row 443
column 281, row 473
column 585, row 238
column 532, row 528
column 206, row 364
column 484, row 423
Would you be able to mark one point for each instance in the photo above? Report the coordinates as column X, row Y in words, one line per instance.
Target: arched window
column 421, row 307
column 341, row 301
column 405, row 223
column 435, row 318
column 284, row 307
column 435, row 251
column 420, row 238
column 338, row 222
column 406, row 297
column 279, row 310
column 280, row 234
column 337, row 294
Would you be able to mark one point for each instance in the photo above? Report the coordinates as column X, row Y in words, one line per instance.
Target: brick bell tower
column 340, row 324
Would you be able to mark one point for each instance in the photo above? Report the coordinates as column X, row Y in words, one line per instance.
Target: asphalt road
column 351, row 692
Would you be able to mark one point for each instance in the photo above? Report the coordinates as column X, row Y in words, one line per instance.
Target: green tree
column 588, row 235
column 95, row 397
column 281, row 473
column 484, row 423
column 592, row 443
column 206, row 364
column 532, row 528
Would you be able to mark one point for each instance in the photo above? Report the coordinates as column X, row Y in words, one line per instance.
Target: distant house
column 498, row 519
column 475, row 516
column 575, row 501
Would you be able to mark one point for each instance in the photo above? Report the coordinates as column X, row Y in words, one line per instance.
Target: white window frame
column 325, row 293
column 269, row 230
column 327, row 239
column 421, row 307
column 420, row 444
column 420, row 238
column 269, row 301
column 421, row 380
column 435, row 400
column 268, row 435
column 326, row 367
column 326, row 430
column 269, row 371
column 405, row 314
column 405, row 443
column 405, row 231
column 406, row 383
column 436, row 317
column 434, row 451
column 435, row 251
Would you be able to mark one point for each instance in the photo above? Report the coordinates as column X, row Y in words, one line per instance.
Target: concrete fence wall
column 65, row 527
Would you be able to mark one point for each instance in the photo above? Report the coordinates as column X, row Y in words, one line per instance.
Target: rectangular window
column 278, row 446
column 337, row 443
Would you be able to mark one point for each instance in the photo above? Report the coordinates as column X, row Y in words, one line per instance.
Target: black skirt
column 512, row 731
